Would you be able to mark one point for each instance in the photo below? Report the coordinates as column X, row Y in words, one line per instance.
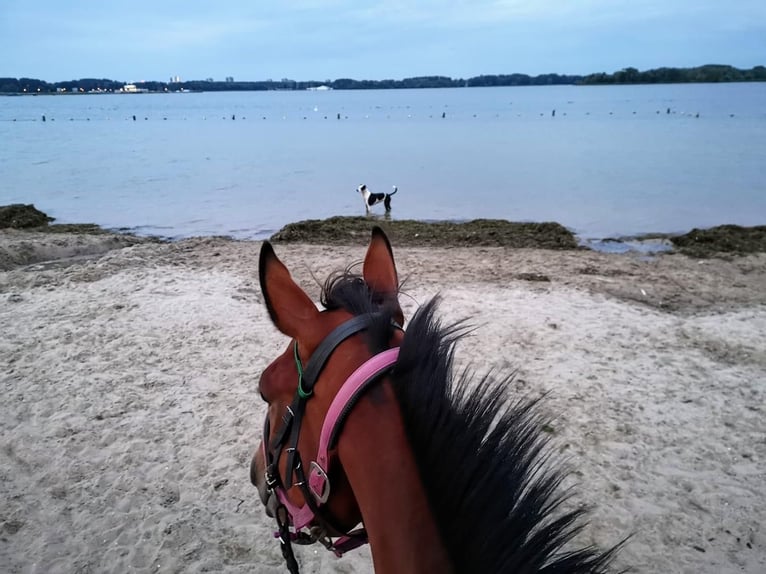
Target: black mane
column 482, row 459
column 483, row 463
column 349, row 291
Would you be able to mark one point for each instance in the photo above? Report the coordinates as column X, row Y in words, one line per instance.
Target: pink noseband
column 318, row 483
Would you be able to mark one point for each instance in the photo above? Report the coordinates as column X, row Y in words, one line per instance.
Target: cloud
column 372, row 38
column 462, row 14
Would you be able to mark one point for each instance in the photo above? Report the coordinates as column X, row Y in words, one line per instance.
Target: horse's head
column 295, row 468
column 448, row 475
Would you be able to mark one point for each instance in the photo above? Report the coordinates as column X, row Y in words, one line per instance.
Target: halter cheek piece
column 316, row 488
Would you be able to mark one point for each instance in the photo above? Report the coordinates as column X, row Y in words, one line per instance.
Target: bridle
column 291, row 519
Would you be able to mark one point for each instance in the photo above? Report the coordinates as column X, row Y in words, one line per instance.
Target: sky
column 134, row 40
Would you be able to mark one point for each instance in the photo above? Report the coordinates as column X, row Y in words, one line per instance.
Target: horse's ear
column 289, row 307
column 379, row 269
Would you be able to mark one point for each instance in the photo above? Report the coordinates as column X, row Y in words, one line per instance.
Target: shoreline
column 706, row 73
column 44, row 242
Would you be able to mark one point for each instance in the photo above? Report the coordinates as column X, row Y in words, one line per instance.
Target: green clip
column 301, row 393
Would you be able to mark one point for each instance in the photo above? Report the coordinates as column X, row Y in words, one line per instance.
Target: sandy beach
column 129, row 409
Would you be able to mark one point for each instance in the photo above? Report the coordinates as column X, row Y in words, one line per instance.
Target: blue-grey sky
column 133, row 40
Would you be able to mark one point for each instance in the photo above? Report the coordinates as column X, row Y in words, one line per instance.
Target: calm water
column 611, row 161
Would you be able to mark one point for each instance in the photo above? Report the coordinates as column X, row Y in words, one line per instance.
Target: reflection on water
column 646, row 246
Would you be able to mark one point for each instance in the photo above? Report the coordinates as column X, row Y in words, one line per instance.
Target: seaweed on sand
column 478, row 232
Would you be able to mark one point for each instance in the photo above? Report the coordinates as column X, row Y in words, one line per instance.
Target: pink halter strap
column 368, row 370
column 317, row 472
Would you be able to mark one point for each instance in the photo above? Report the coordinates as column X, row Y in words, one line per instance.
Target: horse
column 368, row 423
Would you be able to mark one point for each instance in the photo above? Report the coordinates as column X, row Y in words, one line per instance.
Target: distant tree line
column 31, row 85
column 709, row 73
column 522, row 80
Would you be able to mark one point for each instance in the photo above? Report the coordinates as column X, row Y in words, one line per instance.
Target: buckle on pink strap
column 318, row 481
column 319, row 484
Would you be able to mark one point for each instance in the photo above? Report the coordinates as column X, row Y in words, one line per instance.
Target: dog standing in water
column 371, row 199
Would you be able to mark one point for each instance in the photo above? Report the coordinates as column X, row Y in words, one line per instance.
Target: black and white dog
column 371, row 199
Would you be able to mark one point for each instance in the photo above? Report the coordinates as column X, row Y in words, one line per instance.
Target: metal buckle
column 314, row 468
column 272, row 480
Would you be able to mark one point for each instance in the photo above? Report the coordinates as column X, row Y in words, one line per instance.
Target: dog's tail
column 395, row 190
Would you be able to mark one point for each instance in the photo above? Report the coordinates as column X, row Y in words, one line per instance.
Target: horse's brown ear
column 379, row 269
column 289, row 307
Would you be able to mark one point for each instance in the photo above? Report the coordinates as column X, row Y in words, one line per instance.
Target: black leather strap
column 327, row 346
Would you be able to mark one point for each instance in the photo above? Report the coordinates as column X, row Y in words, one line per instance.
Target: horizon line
column 579, row 75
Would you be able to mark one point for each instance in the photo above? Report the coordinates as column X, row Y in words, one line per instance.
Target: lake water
column 611, row 161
